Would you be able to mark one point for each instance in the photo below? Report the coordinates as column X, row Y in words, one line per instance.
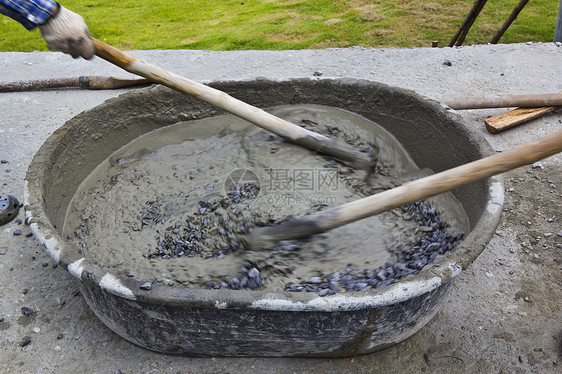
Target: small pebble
column 36, row 330
column 45, row 264
column 18, row 221
column 25, row 341
column 25, row 291
column 447, row 63
column 146, row 286
column 547, row 234
column 4, row 161
column 26, row 311
column 2, row 252
column 1, row 319
column 559, row 233
column 315, row 280
column 489, row 274
column 57, row 348
column 209, row 187
column 253, row 273
column 537, row 165
column 17, row 232
column 325, row 292
column 60, row 336
column 28, row 234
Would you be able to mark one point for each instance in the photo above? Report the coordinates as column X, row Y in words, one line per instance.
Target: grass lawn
column 291, row 24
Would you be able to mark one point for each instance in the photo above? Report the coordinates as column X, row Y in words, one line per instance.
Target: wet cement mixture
column 175, row 207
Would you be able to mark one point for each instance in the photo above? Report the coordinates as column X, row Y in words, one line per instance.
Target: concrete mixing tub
column 191, row 321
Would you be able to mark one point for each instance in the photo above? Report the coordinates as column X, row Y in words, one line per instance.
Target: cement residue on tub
column 175, row 205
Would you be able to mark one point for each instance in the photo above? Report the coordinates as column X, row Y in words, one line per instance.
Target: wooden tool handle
column 408, row 193
column 508, row 101
column 91, row 82
column 319, row 143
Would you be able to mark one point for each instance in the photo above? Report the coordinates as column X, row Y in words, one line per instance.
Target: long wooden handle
column 352, row 156
column 507, row 101
column 91, row 82
column 408, row 193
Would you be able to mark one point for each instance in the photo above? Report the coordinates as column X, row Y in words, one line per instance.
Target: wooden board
column 516, row 117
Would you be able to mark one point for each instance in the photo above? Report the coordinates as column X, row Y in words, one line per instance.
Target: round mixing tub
column 189, row 321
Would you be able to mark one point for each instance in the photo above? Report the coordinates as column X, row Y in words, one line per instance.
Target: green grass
column 290, row 24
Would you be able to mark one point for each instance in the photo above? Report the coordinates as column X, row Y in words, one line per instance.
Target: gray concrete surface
column 503, row 314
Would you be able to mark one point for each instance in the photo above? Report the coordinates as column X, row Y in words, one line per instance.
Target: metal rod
column 558, row 29
column 467, row 22
column 518, row 8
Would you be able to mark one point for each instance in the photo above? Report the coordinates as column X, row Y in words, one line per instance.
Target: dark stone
column 25, row 341
column 26, row 311
column 326, row 292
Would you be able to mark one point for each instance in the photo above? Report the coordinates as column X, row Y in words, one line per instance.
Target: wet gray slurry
column 176, row 206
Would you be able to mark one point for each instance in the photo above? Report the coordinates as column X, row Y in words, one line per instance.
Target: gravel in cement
column 197, row 233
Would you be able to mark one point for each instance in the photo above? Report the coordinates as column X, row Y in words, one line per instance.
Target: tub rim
column 442, row 271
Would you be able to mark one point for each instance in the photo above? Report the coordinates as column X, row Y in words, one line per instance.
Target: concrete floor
column 503, row 314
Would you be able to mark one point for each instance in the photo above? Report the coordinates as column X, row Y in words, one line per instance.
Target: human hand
column 67, row 32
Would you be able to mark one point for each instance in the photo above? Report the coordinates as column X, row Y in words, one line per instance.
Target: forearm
column 30, row 13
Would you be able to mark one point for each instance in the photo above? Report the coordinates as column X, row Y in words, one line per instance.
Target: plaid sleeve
column 30, row 13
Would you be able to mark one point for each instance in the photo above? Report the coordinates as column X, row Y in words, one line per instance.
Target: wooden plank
column 516, row 117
